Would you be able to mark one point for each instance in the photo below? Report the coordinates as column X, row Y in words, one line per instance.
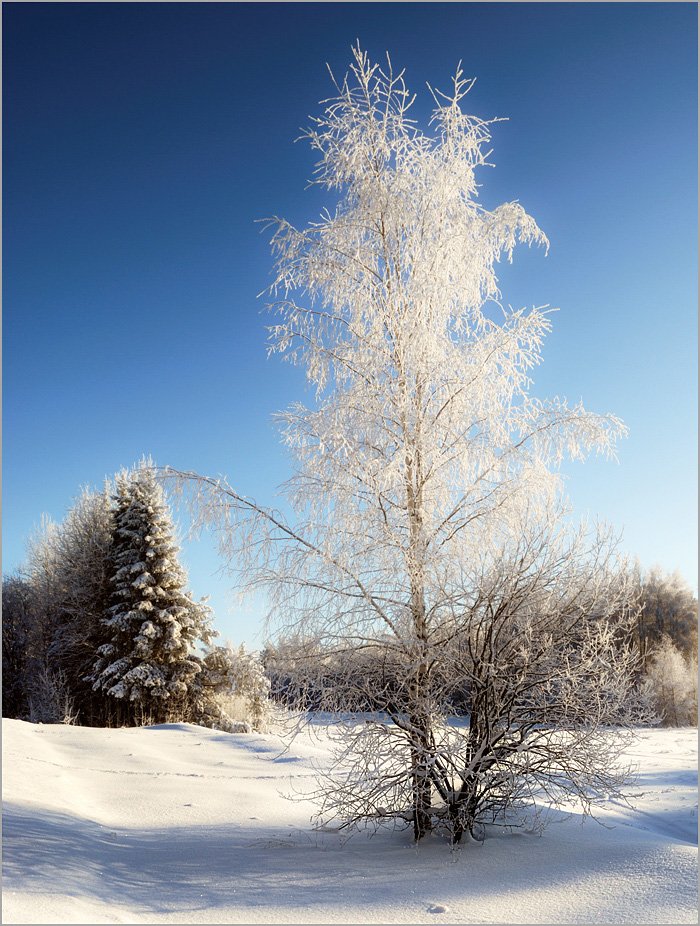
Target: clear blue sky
column 142, row 142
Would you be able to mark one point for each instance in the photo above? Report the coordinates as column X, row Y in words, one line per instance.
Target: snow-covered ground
column 178, row 824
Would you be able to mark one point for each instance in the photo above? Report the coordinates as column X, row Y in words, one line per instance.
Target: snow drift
column 180, row 824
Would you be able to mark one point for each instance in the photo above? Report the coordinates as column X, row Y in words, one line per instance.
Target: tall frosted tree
column 148, row 662
column 429, row 528
column 82, row 545
column 66, row 586
column 16, row 645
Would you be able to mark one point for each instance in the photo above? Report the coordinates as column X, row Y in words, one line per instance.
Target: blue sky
column 142, row 143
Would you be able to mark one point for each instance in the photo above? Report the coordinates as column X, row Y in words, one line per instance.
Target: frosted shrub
column 250, row 688
column 672, row 684
column 669, row 608
column 50, row 700
column 233, row 691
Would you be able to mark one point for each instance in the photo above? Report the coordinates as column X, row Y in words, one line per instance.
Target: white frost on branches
column 428, row 529
column 672, row 684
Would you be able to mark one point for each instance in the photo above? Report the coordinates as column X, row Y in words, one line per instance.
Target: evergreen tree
column 147, row 664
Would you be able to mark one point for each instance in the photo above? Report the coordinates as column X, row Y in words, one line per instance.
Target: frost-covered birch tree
column 82, row 545
column 66, row 593
column 428, row 529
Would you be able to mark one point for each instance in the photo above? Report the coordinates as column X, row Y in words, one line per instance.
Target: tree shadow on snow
column 160, row 871
column 170, row 868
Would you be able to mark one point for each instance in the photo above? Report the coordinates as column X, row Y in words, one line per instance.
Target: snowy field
column 179, row 824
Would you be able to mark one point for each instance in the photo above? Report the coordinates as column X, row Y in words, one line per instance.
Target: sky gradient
column 142, row 142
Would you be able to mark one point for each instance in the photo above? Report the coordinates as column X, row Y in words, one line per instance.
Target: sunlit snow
column 180, row 824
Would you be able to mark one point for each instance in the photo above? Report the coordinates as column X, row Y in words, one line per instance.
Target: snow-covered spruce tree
column 148, row 663
column 428, row 526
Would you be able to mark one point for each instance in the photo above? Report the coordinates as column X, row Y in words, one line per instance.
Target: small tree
column 669, row 608
column 672, row 683
column 250, row 683
column 148, row 662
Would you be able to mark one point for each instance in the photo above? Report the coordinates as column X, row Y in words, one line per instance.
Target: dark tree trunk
column 422, row 785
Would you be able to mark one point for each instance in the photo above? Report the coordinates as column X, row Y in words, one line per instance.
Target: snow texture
column 180, row 824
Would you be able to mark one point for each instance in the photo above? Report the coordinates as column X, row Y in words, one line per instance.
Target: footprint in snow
column 437, row 908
